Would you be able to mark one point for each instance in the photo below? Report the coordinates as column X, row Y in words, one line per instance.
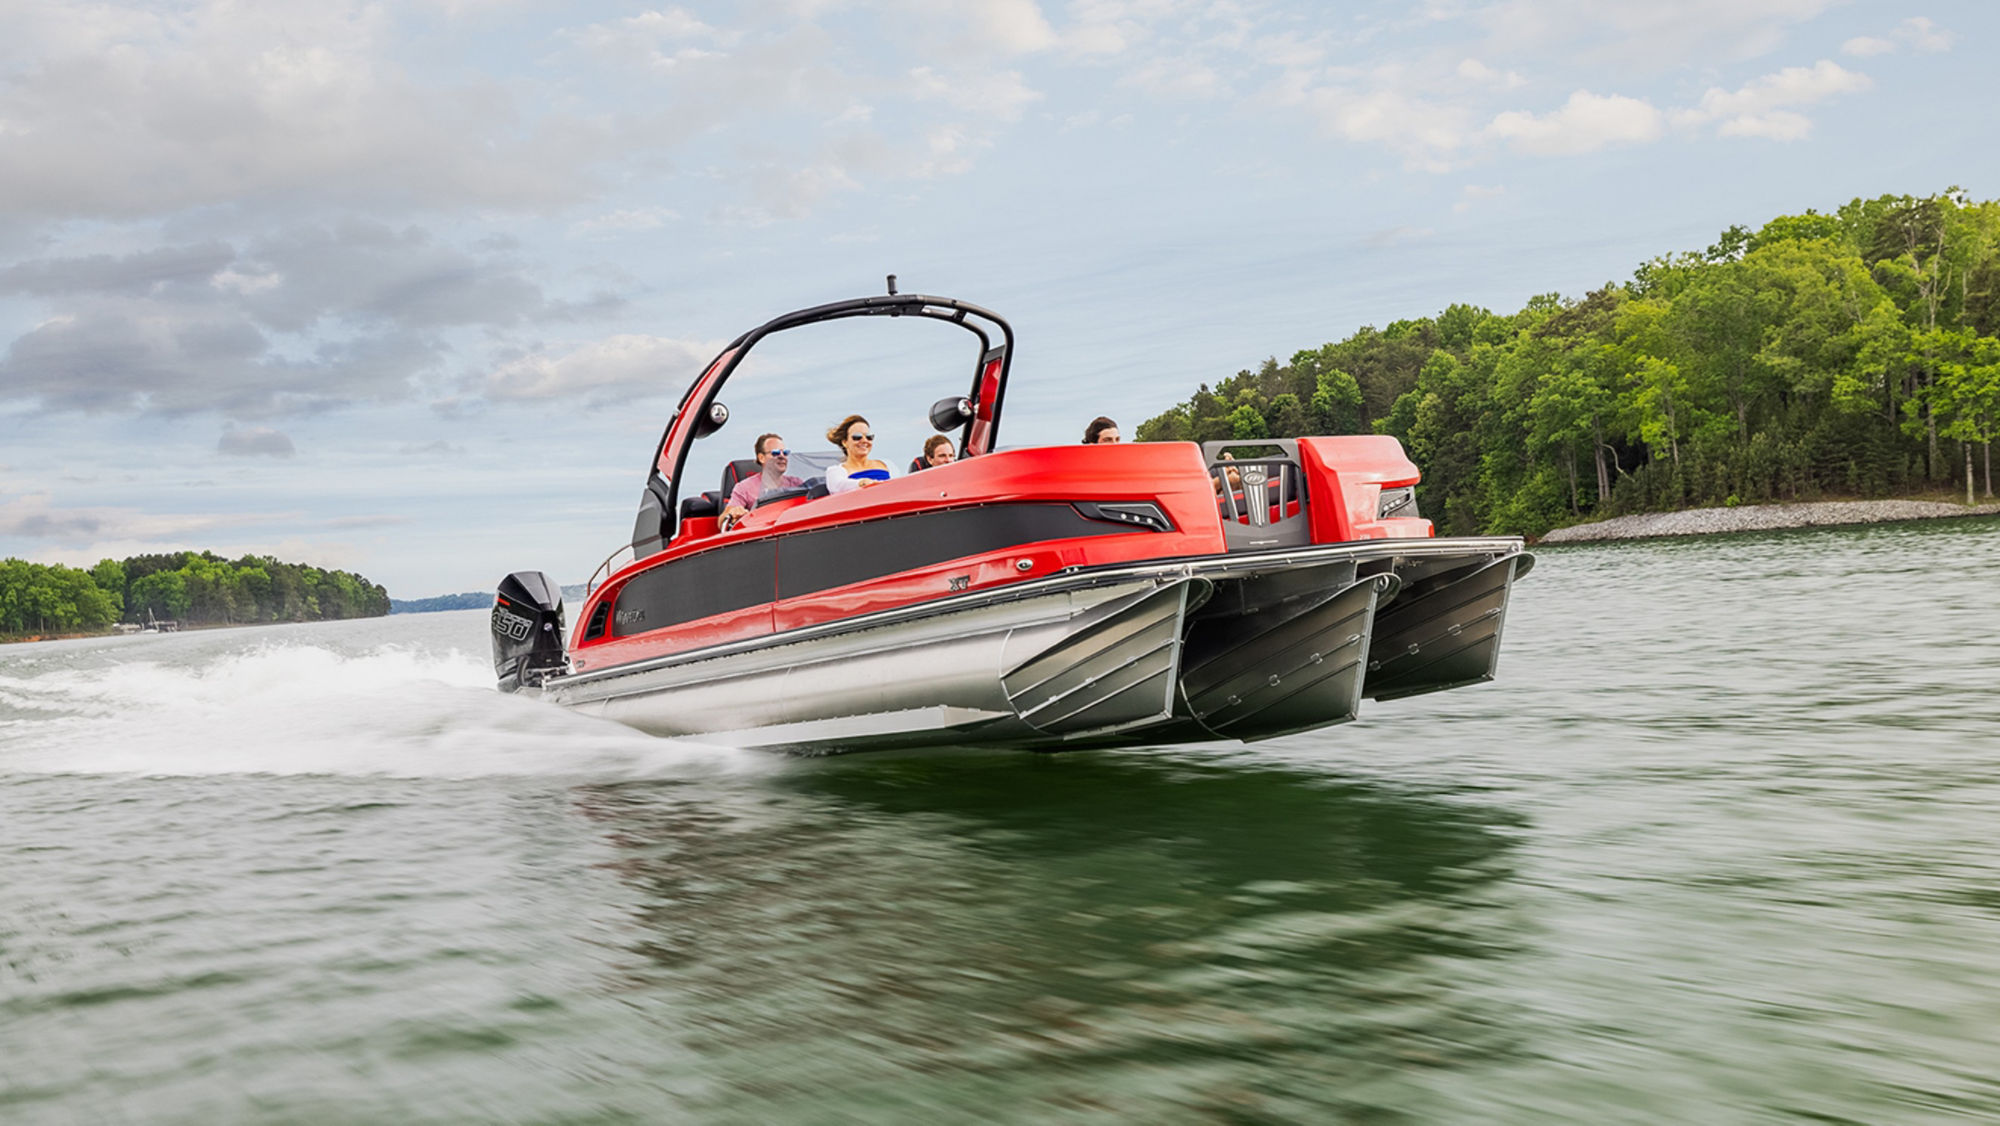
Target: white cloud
column 1426, row 132
column 1472, row 70
column 36, row 517
column 255, row 441
column 1765, row 107
column 624, row 220
column 1585, row 123
column 949, row 153
column 1472, row 193
column 1645, row 35
column 1393, row 236
column 1773, row 125
column 1001, row 94
column 614, row 368
column 1923, row 35
column 1011, row 25
column 1178, row 77
column 113, row 112
column 1917, row 33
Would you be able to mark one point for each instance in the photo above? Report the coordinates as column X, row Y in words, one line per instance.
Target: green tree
column 109, row 575
column 1969, row 397
column 1246, row 424
column 1337, row 404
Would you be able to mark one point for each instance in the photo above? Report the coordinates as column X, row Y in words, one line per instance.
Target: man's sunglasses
column 777, row 453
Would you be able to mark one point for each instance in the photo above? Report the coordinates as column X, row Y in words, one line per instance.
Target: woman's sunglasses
column 861, row 437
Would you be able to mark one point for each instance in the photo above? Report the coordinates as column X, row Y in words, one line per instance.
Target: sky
column 412, row 289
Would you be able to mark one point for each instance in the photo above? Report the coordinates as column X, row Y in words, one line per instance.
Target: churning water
column 1720, row 845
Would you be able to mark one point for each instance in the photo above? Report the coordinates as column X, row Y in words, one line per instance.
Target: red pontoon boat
column 1047, row 597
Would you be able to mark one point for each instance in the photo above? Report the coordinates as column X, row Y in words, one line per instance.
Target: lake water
column 1722, row 844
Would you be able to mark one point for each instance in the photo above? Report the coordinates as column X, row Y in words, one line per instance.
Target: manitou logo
column 513, row 627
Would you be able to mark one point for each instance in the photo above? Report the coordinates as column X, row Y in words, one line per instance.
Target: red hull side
column 1344, row 476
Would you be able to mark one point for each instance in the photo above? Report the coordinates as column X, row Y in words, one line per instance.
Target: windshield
column 800, row 383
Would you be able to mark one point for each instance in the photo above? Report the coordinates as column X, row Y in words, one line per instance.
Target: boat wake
column 395, row 710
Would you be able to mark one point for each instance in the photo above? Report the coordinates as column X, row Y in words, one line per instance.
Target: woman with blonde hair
column 857, row 470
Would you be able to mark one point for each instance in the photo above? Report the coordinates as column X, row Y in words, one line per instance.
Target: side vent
column 598, row 618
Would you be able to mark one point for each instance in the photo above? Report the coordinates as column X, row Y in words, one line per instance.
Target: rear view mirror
column 950, row 414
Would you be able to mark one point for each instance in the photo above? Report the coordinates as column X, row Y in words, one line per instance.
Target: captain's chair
column 711, row 503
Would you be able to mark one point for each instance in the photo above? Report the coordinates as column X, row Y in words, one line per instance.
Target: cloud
column 255, row 441
column 144, row 272
column 1643, row 34
column 1000, row 94
column 1012, row 26
column 610, row 370
column 1585, row 123
column 440, row 447
column 1764, row 107
column 1920, row 34
column 298, row 318
column 1427, row 132
column 34, row 516
column 1178, row 77
column 1395, row 236
column 1472, row 70
column 1472, row 193
column 115, row 112
column 1917, row 33
column 624, row 220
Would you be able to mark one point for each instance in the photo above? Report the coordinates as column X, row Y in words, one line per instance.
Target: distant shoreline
column 1762, row 518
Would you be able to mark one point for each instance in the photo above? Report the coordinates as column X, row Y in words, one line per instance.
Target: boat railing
column 611, row 563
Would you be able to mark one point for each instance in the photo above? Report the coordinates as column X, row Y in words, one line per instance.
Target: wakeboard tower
column 1045, row 597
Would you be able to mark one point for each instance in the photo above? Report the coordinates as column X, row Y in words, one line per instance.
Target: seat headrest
column 735, row 472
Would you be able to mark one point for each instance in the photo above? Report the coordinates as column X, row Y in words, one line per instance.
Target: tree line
column 194, row 588
column 1850, row 354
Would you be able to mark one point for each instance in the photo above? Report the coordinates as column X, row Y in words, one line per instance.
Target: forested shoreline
column 1850, row 354
column 192, row 588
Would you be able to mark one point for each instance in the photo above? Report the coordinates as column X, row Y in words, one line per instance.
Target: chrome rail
column 611, row 563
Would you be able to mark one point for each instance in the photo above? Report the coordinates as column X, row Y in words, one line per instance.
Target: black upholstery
column 916, row 464
column 707, row 504
column 736, row 472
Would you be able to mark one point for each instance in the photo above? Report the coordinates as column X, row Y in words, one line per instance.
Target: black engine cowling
column 527, row 630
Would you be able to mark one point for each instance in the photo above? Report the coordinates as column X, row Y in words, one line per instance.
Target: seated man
column 937, row 451
column 774, row 458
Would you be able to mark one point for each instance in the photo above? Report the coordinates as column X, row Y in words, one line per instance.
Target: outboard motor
column 527, row 630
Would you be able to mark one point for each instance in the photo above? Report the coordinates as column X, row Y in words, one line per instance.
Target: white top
column 837, row 481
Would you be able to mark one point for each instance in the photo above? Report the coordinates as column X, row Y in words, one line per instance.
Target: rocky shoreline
column 1762, row 518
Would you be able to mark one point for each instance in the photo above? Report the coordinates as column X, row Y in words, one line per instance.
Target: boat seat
column 736, row 472
column 707, row 504
column 816, row 488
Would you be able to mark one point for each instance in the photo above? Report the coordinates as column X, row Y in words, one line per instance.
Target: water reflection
column 1078, row 933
